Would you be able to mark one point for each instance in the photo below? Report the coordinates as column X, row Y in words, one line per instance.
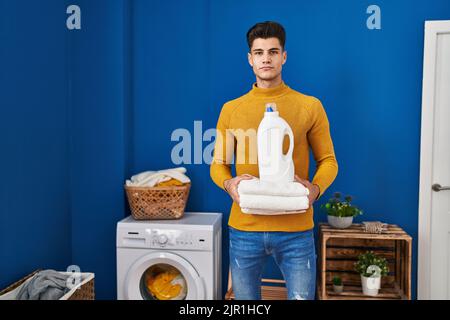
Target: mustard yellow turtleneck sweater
column 308, row 120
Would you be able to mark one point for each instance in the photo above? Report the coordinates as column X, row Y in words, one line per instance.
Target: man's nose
column 266, row 58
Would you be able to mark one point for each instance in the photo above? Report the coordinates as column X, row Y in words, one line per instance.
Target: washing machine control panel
column 179, row 239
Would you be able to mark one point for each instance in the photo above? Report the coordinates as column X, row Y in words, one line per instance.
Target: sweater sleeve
column 322, row 146
column 220, row 169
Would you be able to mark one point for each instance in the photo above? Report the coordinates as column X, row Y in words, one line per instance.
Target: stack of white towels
column 272, row 198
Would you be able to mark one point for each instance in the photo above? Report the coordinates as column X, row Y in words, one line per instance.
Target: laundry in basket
column 51, row 285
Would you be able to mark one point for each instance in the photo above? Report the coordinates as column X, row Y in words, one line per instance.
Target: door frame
column 432, row 29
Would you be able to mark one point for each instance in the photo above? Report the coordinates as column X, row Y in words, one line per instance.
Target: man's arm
column 220, row 169
column 322, row 146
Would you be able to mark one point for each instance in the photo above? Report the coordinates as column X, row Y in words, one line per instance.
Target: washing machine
column 170, row 259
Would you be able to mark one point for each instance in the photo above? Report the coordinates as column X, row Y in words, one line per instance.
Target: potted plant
column 338, row 287
column 340, row 212
column 371, row 268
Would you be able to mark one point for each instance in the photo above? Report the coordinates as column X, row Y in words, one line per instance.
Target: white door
column 434, row 196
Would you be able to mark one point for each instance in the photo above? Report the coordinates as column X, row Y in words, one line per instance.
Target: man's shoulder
column 233, row 104
column 306, row 99
column 311, row 103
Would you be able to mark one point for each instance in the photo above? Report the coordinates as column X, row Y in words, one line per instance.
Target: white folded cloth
column 270, row 212
column 273, row 203
column 268, row 188
column 271, row 198
column 152, row 178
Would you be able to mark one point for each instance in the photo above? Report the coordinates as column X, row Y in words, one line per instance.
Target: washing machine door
column 163, row 276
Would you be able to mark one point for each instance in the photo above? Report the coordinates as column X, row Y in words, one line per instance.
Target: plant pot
column 370, row 285
column 340, row 222
column 338, row 289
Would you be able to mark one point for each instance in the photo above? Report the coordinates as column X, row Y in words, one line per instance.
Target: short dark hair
column 265, row 30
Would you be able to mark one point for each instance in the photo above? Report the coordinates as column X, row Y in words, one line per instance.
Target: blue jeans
column 294, row 253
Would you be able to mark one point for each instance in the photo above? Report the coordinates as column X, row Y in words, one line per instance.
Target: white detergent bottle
column 273, row 165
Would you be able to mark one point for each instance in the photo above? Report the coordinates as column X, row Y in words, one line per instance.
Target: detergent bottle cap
column 271, row 107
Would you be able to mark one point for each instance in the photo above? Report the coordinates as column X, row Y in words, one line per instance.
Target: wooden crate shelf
column 339, row 250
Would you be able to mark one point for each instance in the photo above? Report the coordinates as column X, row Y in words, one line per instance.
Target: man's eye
column 273, row 52
column 258, row 53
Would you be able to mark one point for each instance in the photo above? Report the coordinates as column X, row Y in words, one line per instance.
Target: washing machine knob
column 162, row 239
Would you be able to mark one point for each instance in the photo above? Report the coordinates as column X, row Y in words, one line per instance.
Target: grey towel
column 45, row 285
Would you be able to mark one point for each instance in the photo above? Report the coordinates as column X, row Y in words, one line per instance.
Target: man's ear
column 284, row 56
column 249, row 57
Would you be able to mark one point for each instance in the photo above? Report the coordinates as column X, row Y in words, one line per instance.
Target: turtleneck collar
column 274, row 92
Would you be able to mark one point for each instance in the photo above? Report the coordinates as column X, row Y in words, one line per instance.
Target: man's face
column 267, row 58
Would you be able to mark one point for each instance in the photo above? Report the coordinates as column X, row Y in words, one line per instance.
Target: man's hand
column 231, row 186
column 313, row 189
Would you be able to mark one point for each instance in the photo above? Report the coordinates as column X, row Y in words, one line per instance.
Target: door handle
column 437, row 187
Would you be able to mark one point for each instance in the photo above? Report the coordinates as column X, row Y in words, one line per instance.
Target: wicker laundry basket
column 84, row 292
column 149, row 203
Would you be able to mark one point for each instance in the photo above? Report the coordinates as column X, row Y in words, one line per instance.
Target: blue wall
column 99, row 103
column 35, row 225
column 64, row 104
column 82, row 110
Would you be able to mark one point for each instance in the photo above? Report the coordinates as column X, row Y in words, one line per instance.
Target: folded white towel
column 270, row 212
column 260, row 187
column 273, row 203
column 152, row 178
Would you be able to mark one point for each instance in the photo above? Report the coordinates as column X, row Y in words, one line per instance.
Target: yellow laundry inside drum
column 166, row 283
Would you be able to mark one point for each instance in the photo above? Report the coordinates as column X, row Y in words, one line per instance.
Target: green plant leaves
column 337, row 281
column 336, row 207
column 369, row 258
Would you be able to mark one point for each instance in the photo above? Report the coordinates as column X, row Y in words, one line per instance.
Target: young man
column 288, row 238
